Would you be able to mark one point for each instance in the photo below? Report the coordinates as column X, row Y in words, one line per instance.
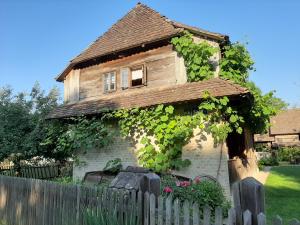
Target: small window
column 124, row 77
column 109, row 81
column 137, row 76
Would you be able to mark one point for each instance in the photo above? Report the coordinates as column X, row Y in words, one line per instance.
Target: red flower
column 197, row 180
column 168, row 190
column 185, row 183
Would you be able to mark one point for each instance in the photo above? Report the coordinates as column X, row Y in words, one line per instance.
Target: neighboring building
column 133, row 64
column 284, row 130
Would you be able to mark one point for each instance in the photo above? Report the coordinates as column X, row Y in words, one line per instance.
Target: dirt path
column 262, row 176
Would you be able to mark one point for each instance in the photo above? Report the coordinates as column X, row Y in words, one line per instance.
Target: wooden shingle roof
column 145, row 97
column 286, row 122
column 140, row 26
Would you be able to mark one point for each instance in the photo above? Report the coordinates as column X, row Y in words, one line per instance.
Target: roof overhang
column 146, row 97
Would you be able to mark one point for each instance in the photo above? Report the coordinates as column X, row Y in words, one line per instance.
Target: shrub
column 270, row 161
column 202, row 192
column 260, row 147
column 288, row 153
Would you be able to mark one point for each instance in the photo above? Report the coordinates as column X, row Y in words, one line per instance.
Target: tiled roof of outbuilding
column 286, row 122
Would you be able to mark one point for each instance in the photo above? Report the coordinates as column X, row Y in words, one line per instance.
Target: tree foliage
column 236, row 65
column 22, row 122
column 67, row 137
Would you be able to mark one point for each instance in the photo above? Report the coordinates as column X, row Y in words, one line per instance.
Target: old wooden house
column 284, row 130
column 133, row 64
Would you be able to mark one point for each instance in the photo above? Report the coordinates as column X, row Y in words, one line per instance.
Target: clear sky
column 39, row 37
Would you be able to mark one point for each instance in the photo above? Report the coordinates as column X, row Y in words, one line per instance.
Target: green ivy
column 172, row 129
column 235, row 65
column 197, row 57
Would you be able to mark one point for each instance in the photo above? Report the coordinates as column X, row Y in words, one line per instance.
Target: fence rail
column 27, row 201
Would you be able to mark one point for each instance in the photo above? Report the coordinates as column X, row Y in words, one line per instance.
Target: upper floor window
column 109, row 81
column 137, row 76
column 133, row 77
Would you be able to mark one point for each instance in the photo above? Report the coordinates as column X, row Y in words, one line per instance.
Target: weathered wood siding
column 164, row 67
column 71, row 86
column 160, row 71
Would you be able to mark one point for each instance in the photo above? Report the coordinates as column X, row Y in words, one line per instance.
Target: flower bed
column 203, row 192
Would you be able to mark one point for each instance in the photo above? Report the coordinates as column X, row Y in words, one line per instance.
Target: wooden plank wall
column 160, row 70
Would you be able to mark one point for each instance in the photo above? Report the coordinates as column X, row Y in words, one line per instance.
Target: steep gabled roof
column 286, row 122
column 140, row 26
column 151, row 96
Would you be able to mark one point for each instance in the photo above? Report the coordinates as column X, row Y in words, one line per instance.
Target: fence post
column 248, row 194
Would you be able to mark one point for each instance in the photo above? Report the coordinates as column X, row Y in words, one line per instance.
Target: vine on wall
column 172, row 129
column 197, row 57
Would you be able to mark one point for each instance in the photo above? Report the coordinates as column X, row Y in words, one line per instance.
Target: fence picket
column 261, row 219
column 218, row 216
column 277, row 220
column 169, row 210
column 160, row 210
column 152, row 209
column 231, row 217
column 146, row 208
column 176, row 212
column 247, row 217
column 294, row 222
column 206, row 215
column 186, row 213
column 196, row 218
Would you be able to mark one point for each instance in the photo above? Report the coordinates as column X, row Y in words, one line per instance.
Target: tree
column 22, row 122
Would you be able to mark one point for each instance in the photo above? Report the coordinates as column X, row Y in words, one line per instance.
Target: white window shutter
column 124, row 77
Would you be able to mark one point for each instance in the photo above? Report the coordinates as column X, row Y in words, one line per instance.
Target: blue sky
column 39, row 37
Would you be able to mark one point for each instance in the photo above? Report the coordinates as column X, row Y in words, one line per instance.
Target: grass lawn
column 283, row 192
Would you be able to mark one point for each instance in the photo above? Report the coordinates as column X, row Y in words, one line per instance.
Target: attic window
column 109, row 81
column 137, row 76
column 133, row 77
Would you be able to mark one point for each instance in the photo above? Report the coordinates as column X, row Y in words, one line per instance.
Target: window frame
column 109, row 77
column 144, row 80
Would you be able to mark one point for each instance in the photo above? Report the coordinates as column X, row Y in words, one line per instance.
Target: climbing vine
column 164, row 130
column 197, row 57
column 235, row 65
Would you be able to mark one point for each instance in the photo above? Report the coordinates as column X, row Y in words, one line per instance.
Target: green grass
column 283, row 193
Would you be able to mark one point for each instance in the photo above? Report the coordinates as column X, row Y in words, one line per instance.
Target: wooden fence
column 28, row 201
column 36, row 172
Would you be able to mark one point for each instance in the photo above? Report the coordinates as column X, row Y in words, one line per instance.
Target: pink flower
column 197, row 180
column 178, row 183
column 185, row 183
column 168, row 190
